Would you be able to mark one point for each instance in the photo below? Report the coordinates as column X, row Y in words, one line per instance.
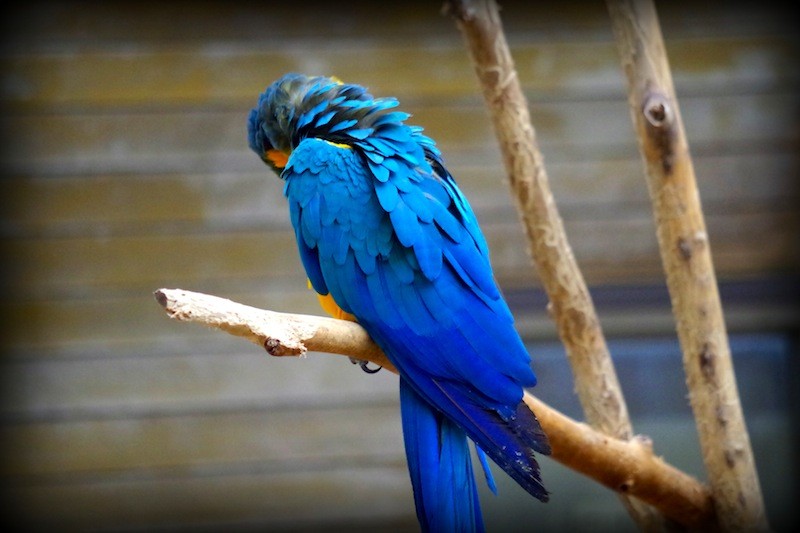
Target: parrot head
column 270, row 122
column 296, row 107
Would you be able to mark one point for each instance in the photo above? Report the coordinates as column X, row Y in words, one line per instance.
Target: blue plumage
column 383, row 228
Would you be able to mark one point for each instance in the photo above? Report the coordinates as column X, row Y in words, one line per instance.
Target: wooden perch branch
column 279, row 334
column 624, row 466
column 686, row 255
column 571, row 304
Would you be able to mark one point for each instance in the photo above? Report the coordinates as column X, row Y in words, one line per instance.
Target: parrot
column 388, row 239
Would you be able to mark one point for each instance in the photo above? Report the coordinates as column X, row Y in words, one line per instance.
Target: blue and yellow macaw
column 388, row 239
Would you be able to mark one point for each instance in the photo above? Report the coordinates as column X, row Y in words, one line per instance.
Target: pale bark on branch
column 686, row 255
column 628, row 467
column 571, row 304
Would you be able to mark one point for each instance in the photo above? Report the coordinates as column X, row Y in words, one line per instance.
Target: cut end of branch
column 161, row 298
column 458, row 9
column 644, row 441
column 170, row 300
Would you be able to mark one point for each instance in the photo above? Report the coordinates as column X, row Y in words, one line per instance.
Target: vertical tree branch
column 570, row 302
column 689, row 270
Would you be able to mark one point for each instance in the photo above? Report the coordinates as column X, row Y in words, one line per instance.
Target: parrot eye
column 280, row 114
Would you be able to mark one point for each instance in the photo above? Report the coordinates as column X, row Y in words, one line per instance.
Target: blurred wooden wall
column 125, row 168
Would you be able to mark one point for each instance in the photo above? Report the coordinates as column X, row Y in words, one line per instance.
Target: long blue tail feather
column 440, row 466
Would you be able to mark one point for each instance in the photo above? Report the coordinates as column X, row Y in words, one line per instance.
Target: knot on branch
column 278, row 348
column 659, row 117
column 625, row 486
column 658, row 111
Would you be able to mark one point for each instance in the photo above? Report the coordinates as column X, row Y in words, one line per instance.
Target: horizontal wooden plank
column 135, row 203
column 225, row 21
column 134, row 326
column 52, row 389
column 171, row 203
column 107, row 324
column 215, row 140
column 268, row 439
column 64, row 266
column 236, row 74
column 56, row 24
column 371, row 496
column 79, row 397
column 152, row 260
column 87, row 322
column 339, row 499
column 616, row 251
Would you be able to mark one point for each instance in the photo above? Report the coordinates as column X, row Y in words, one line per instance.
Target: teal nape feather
column 384, row 231
column 298, row 107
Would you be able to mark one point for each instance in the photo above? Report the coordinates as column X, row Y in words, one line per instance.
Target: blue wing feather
column 405, row 224
column 379, row 293
column 428, row 251
column 310, row 259
column 387, row 193
column 401, row 267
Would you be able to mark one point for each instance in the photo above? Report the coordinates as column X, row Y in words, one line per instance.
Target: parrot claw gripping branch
column 387, row 239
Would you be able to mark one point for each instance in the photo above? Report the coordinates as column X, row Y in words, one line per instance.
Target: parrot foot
column 365, row 365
